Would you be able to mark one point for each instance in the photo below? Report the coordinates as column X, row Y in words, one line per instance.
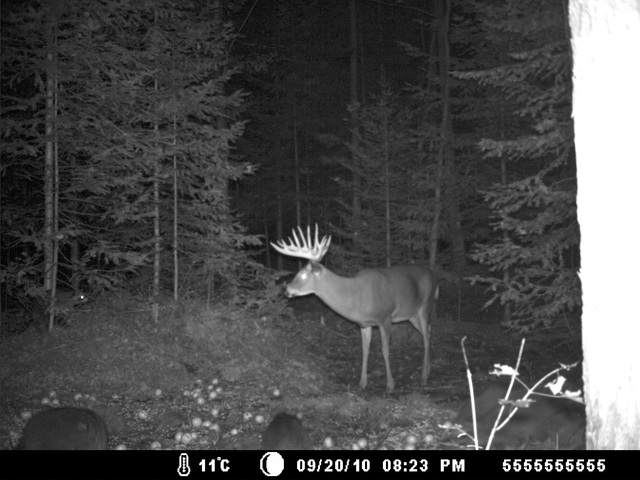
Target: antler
column 313, row 252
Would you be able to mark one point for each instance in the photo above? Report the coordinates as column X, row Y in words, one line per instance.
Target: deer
column 374, row 297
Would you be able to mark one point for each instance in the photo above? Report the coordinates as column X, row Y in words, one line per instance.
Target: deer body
column 374, row 297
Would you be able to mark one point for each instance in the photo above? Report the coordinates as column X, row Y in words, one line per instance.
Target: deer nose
column 289, row 294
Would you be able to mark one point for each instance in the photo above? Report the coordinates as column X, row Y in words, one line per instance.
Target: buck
column 375, row 297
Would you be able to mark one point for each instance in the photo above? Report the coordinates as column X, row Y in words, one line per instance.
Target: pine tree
column 388, row 161
column 144, row 132
column 535, row 209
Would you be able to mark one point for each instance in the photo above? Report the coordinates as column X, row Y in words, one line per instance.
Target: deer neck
column 341, row 294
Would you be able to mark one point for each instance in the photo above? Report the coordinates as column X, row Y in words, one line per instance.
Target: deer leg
column 425, row 329
column 366, row 343
column 385, row 335
column 421, row 323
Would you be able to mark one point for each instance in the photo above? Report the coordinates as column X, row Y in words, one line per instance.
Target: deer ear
column 315, row 268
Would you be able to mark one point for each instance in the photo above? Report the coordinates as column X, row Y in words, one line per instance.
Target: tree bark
column 51, row 173
column 443, row 17
column 606, row 102
column 353, row 96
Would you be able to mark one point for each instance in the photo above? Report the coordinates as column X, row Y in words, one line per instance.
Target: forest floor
column 237, row 370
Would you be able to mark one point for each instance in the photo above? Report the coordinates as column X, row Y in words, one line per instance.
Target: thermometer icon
column 183, row 468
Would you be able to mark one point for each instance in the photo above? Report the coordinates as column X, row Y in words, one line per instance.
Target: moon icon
column 272, row 464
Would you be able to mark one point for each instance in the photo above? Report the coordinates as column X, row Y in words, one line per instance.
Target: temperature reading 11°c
column 214, row 465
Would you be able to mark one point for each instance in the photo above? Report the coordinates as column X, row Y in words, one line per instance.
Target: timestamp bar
column 199, row 464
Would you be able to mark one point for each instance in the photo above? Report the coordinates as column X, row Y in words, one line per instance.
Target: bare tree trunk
column 387, row 180
column 157, row 249
column 51, row 179
column 353, row 94
column 267, row 237
column 307, row 178
column 296, row 162
column 75, row 263
column 176, row 258
column 48, row 170
column 444, row 75
column 454, row 217
column 606, row 102
column 279, row 210
column 157, row 253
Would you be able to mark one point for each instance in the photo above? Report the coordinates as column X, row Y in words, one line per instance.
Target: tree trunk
column 353, row 94
column 443, row 17
column 279, row 209
column 451, row 200
column 606, row 102
column 157, row 238
column 296, row 162
column 51, row 182
column 387, row 181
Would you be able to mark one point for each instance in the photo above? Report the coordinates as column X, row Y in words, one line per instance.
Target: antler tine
column 304, row 247
column 322, row 246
